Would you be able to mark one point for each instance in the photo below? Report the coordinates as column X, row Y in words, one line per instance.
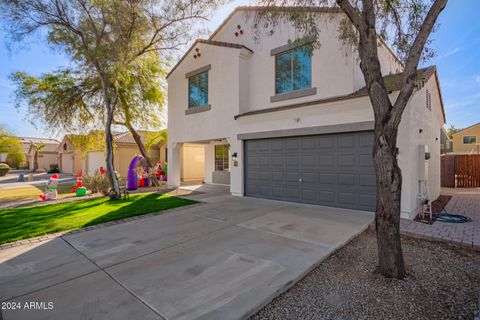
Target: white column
column 209, row 162
column 174, row 164
column 236, row 169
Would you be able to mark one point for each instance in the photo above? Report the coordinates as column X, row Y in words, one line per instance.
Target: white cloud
column 455, row 104
column 453, row 51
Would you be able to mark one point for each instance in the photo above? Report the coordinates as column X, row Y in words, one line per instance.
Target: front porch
column 200, row 162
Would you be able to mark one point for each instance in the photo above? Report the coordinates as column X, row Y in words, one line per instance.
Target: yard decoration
column 79, row 189
column 134, row 178
column 81, row 192
column 51, row 192
column 161, row 171
column 79, row 183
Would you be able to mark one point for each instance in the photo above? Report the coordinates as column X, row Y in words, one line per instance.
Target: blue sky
column 457, row 43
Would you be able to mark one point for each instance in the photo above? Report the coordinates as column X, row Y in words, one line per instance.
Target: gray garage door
column 332, row 170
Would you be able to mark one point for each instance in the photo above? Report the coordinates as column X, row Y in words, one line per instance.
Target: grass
column 27, row 222
column 32, row 193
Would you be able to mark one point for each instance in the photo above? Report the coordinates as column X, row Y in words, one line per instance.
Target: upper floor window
column 293, row 70
column 198, row 90
column 469, row 139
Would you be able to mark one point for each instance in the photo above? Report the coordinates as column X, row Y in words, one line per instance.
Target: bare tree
column 406, row 24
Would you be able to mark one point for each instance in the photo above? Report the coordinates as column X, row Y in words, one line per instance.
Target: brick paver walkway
column 465, row 202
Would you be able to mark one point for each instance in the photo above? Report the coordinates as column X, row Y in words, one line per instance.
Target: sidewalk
column 465, row 202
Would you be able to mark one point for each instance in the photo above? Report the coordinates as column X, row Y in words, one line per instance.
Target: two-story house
column 277, row 121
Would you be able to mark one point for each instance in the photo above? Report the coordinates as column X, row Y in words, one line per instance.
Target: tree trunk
column 115, row 187
column 150, row 165
column 35, row 161
column 141, row 146
column 387, row 215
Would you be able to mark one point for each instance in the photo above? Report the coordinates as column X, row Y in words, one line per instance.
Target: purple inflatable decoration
column 132, row 179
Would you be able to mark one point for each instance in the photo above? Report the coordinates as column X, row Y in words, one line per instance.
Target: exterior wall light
column 235, row 159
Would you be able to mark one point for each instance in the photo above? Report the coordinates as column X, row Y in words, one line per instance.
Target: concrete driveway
column 222, row 259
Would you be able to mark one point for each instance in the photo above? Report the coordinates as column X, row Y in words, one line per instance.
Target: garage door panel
column 278, row 176
column 346, row 198
column 326, row 197
column 365, row 160
column 346, row 179
column 308, row 160
column 310, row 195
column 333, row 170
column 326, row 142
column 365, row 140
column 326, row 160
column 292, row 193
column 346, row 160
column 367, row 180
column 326, row 178
column 292, row 176
column 309, row 177
column 346, row 141
column 308, row 144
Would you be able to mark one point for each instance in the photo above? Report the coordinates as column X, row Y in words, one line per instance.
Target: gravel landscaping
column 443, row 282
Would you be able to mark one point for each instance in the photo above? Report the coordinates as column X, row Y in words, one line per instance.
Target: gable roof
column 393, row 83
column 209, row 42
column 291, row 8
column 278, row 8
column 469, row 127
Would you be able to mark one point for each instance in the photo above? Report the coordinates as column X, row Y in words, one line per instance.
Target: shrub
column 54, row 170
column 15, row 159
column 97, row 183
column 4, row 168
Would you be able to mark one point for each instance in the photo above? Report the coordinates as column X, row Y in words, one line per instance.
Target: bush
column 97, row 183
column 4, row 168
column 15, row 159
column 54, row 170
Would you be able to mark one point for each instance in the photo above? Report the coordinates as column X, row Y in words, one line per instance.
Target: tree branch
column 352, row 15
column 410, row 73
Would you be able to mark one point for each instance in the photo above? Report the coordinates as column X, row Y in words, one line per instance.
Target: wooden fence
column 460, row 171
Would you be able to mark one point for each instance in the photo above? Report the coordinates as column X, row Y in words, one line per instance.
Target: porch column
column 174, row 163
column 236, row 167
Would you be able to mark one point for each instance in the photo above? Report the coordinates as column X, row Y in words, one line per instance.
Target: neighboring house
column 74, row 160
column 47, row 157
column 277, row 123
column 467, row 140
column 70, row 157
column 446, row 143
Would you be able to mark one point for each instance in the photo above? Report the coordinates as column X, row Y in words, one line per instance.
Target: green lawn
column 27, row 222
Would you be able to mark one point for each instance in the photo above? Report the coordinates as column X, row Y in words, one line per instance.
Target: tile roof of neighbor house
column 469, row 127
column 51, row 145
column 38, row 140
column 126, row 137
column 392, row 83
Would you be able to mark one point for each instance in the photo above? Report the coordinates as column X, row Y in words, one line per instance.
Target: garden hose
column 444, row 216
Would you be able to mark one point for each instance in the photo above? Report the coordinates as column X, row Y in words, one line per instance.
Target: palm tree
column 38, row 147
